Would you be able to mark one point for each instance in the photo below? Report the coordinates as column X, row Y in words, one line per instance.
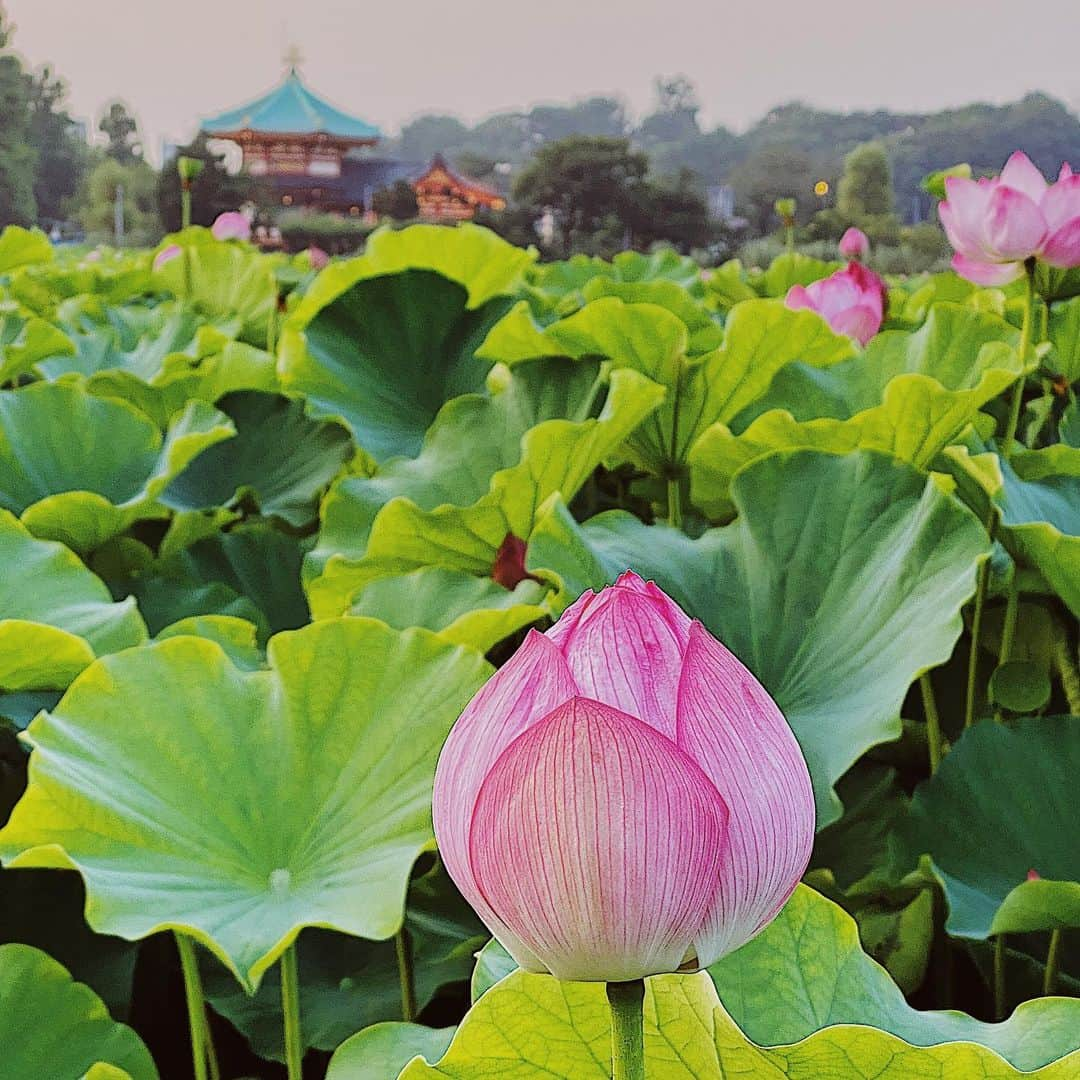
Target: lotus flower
column 851, row 301
column 231, row 226
column 854, row 244
column 623, row 798
column 996, row 225
column 317, row 257
column 166, row 254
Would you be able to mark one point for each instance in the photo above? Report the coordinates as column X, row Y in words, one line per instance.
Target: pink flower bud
column 851, row 301
column 995, row 225
column 623, row 798
column 231, row 226
column 854, row 244
column 166, row 254
column 317, row 257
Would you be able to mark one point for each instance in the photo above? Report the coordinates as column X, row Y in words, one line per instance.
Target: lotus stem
column 627, row 1029
column 976, row 631
column 1053, row 957
column 999, row 977
column 403, row 947
column 1025, row 348
column 933, row 722
column 290, row 1008
column 185, row 204
column 201, row 1048
column 674, row 503
column 1008, row 629
column 1068, row 673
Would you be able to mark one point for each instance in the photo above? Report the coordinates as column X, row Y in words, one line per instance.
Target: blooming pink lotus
column 851, row 301
column 231, row 225
column 996, row 224
column 854, row 244
column 166, row 254
column 623, row 798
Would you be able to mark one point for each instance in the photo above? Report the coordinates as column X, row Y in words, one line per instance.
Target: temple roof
column 291, row 109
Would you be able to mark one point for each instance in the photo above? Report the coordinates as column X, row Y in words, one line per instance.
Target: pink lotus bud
column 317, row 257
column 851, row 301
column 509, row 567
column 995, row 225
column 231, row 226
column 623, row 798
column 1034, row 875
column 854, row 244
column 166, row 254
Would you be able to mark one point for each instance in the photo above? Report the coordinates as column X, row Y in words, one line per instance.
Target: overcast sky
column 387, row 60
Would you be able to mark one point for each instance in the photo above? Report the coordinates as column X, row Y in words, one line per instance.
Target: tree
column 675, row 117
column 866, row 189
column 213, row 191
column 122, row 131
column 17, row 157
column 589, row 183
column 398, row 201
column 99, row 200
column 673, row 210
column 768, row 174
column 62, row 154
column 427, row 136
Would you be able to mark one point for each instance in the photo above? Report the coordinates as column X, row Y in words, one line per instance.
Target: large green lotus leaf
column 761, row 337
column 956, row 348
column 385, row 1049
column 256, row 562
column 81, row 469
column 23, row 247
column 919, row 413
column 225, row 281
column 705, row 331
column 1032, row 819
column 23, row 342
column 280, row 460
column 807, row 971
column 839, row 583
column 461, row 608
column 532, row 1026
column 55, row 615
column 386, row 354
column 556, row 457
column 793, row 268
column 1037, row 497
column 1063, row 332
column 323, row 831
column 474, row 437
column 51, row 1026
column 346, row 983
column 237, row 637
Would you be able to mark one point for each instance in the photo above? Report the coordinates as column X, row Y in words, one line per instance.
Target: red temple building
column 313, row 155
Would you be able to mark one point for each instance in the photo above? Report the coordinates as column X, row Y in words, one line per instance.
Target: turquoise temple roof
column 291, row 109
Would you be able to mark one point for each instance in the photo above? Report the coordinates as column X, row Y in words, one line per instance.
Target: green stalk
column 991, row 521
column 789, row 238
column 933, row 722
column 1053, row 955
column 403, row 947
column 185, row 204
column 1008, row 629
column 674, row 503
column 999, row 977
column 1068, row 673
column 627, row 1029
column 290, row 1008
column 196, row 1005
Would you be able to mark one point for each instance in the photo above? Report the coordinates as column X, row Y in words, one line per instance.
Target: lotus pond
column 266, row 530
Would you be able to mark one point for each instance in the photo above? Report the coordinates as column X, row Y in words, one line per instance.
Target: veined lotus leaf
column 237, row 637
column 386, row 354
column 793, row 268
column 839, row 583
column 23, row 247
column 556, row 456
column 385, row 1049
column 356, row 713
column 761, row 337
column 225, row 281
column 280, row 459
column 23, row 342
column 1032, row 819
column 347, row 983
column 1037, row 495
column 51, row 1026
column 533, row 1026
column 727, row 285
column 81, row 469
column 956, row 348
column 474, row 437
column 1063, row 332
column 55, row 615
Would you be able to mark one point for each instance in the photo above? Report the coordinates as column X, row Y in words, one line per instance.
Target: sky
column 174, row 61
